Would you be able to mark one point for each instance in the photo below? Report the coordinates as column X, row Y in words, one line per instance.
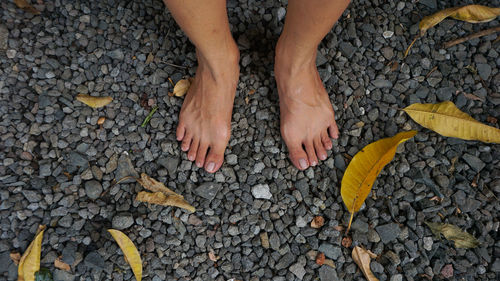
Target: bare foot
column 205, row 118
column 306, row 114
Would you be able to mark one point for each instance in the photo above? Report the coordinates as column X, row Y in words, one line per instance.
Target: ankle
column 291, row 56
column 218, row 61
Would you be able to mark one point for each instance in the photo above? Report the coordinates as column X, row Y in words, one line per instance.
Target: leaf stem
column 150, row 115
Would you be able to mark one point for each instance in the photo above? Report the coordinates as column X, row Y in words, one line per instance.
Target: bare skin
column 307, row 117
column 205, row 118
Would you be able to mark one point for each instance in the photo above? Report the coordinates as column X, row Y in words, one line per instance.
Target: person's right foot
column 205, row 118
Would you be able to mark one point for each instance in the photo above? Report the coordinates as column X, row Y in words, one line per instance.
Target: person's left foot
column 306, row 114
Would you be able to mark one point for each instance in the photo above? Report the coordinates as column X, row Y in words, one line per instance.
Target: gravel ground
column 57, row 165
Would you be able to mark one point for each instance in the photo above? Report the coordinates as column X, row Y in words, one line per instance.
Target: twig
column 175, row 65
column 471, row 36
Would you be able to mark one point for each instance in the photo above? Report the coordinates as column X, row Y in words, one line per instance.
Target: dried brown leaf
column 92, row 101
column 320, row 258
column 58, row 263
column 362, row 258
column 182, row 86
column 101, row 120
column 23, row 4
column 317, row 222
column 347, row 241
column 473, row 97
column 461, row 238
column 160, row 198
column 15, row 257
column 153, row 185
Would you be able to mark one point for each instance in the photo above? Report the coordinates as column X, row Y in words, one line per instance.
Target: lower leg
column 307, row 117
column 205, row 118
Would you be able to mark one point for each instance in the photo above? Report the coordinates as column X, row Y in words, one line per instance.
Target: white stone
column 388, row 34
column 261, row 191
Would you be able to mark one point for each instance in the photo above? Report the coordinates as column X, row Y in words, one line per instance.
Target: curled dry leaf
column 469, row 13
column 101, row 120
column 461, row 238
column 153, row 185
column 182, row 86
column 320, row 258
column 30, row 261
column 15, row 257
column 58, row 263
column 92, row 101
column 25, row 5
column 362, row 258
column 347, row 241
column 446, row 119
column 160, row 198
column 364, row 168
column 130, row 251
column 317, row 222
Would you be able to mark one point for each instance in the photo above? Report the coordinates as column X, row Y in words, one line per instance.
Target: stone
column 62, row 275
column 261, row 191
column 495, row 266
column 122, row 221
column 298, row 270
column 116, row 54
column 397, row 277
column 388, row 232
column 170, row 163
column 125, row 169
column 285, row 261
column 274, row 241
column 474, row 162
column 208, row 190
column 93, row 189
column 445, row 93
column 68, row 252
column 347, row 49
column 382, row 83
column 484, row 70
column 327, row 273
column 447, row 271
column 4, row 37
column 330, row 251
column 94, row 261
column 32, row 196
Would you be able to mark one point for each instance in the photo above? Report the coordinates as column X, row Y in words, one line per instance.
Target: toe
column 193, row 149
column 181, row 130
column 320, row 149
column 325, row 139
column 333, row 130
column 311, row 153
column 298, row 156
column 186, row 141
column 202, row 153
column 214, row 158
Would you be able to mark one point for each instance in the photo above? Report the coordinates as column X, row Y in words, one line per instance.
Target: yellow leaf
column 362, row 258
column 130, row 251
column 182, row 86
column 469, row 13
column 30, row 261
column 446, row 119
column 364, row 168
column 153, row 185
column 23, row 4
column 461, row 238
column 92, row 101
column 160, row 198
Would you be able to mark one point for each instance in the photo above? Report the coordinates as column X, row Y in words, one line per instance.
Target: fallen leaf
column 346, row 242
column 364, row 168
column 212, row 256
column 160, row 198
column 317, row 222
column 182, row 86
column 23, row 4
column 58, row 263
column 320, row 259
column 129, row 251
column 153, row 185
column 30, row 261
column 469, row 13
column 492, row 119
column 150, row 58
column 362, row 258
column 15, row 257
column 92, row 101
column 446, row 119
column 473, row 97
column 461, row 238
column 101, row 120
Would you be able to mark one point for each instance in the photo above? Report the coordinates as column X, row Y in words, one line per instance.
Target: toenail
column 313, row 163
column 329, row 146
column 191, row 157
column 303, row 163
column 198, row 164
column 211, row 167
column 322, row 156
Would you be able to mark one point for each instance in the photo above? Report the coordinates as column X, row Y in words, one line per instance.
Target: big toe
column 298, row 156
column 214, row 158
